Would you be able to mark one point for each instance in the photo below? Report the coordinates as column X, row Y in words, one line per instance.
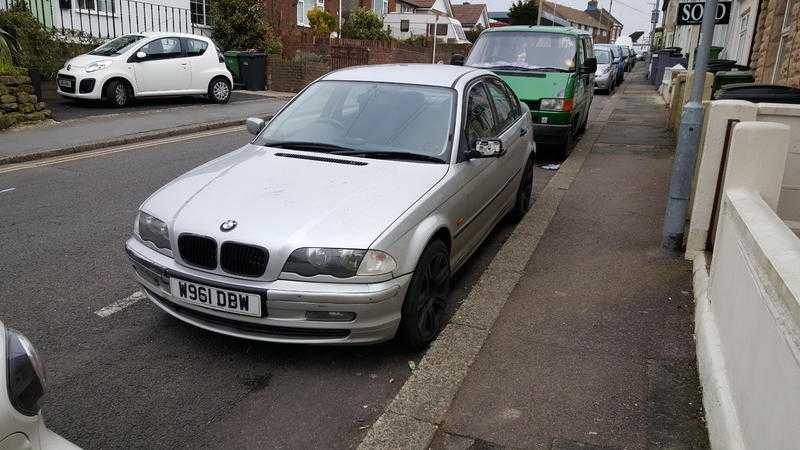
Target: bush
column 38, row 47
column 322, row 22
column 273, row 46
column 238, row 24
column 472, row 35
column 305, row 57
column 366, row 25
column 8, row 69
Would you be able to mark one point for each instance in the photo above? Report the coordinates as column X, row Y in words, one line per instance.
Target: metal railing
column 107, row 19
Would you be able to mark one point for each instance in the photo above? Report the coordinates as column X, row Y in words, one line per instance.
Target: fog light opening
column 330, row 316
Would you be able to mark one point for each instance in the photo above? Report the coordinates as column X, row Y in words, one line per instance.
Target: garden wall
column 18, row 104
column 304, row 59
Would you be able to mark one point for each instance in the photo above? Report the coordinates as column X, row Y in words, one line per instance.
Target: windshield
column 366, row 117
column 116, row 46
column 523, row 50
column 603, row 57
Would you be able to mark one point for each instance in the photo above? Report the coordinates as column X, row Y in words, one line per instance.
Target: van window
column 524, row 50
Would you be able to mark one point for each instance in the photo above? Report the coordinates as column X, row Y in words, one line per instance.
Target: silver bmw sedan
column 344, row 218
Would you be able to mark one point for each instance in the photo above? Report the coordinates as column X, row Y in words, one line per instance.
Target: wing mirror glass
column 255, row 125
column 457, row 59
column 487, row 148
column 141, row 55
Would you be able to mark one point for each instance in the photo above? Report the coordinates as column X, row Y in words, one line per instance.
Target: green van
column 551, row 69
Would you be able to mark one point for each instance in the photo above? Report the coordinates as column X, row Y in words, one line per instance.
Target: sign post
column 680, row 183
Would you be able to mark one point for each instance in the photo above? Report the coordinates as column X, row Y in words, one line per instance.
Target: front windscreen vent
column 322, row 159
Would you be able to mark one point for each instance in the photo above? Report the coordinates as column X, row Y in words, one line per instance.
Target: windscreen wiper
column 309, row 146
column 390, row 155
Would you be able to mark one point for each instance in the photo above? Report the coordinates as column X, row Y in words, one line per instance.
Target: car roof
column 421, row 74
column 539, row 28
column 151, row 34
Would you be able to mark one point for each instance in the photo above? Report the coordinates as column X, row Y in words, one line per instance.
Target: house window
column 441, row 29
column 201, row 12
column 106, row 6
column 381, row 7
column 786, row 28
column 321, row 4
column 301, row 12
column 403, row 25
column 741, row 48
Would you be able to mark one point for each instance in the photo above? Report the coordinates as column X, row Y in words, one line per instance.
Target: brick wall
column 292, row 70
column 765, row 51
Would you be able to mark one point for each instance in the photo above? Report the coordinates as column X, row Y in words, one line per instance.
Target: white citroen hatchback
column 148, row 65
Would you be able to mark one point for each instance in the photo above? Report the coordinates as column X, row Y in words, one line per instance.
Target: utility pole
column 653, row 24
column 680, row 183
column 539, row 13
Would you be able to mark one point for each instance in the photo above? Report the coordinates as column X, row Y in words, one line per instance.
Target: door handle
column 523, row 131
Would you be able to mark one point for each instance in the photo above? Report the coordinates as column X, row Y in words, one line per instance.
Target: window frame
column 464, row 143
column 785, row 31
column 300, row 12
column 185, row 46
column 83, row 7
column 208, row 20
column 513, row 102
column 181, row 54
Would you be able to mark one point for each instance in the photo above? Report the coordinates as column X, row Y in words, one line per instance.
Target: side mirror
column 457, row 59
column 589, row 66
column 487, row 148
column 141, row 55
column 255, row 125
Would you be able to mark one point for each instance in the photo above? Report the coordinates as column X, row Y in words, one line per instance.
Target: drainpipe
column 680, row 183
column 435, row 32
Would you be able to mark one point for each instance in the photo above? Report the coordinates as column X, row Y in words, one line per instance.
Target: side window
column 163, row 48
column 479, row 119
column 502, row 105
column 587, row 43
column 195, row 47
column 579, row 57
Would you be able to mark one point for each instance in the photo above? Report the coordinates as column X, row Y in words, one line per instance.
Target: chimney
column 592, row 6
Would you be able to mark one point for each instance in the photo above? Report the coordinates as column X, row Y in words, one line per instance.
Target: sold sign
column 692, row 13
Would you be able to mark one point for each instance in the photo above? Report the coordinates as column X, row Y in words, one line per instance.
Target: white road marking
column 121, row 304
column 7, row 190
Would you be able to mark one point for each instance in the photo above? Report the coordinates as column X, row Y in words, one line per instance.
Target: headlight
column 339, row 262
column 25, row 373
column 556, row 104
column 98, row 65
column 151, row 229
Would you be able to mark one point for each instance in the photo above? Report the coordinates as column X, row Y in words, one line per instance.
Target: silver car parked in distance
column 344, row 219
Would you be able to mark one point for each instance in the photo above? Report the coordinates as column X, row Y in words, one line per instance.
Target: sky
column 624, row 10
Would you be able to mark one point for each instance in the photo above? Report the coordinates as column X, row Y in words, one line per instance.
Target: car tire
column 118, row 94
column 426, row 305
column 219, row 90
column 524, row 194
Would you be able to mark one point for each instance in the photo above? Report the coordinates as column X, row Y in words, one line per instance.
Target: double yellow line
column 116, row 149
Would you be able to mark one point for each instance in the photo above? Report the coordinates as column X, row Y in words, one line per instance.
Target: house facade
column 473, row 16
column 413, row 18
column 775, row 53
column 107, row 19
column 603, row 26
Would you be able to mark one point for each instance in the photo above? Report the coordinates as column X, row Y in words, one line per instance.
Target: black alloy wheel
column 524, row 193
column 425, row 308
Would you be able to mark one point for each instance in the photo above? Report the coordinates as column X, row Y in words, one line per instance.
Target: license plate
column 215, row 298
column 64, row 83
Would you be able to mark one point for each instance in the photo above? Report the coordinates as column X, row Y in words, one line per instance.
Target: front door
column 164, row 68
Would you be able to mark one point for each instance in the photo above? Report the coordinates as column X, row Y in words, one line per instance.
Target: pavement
column 85, row 126
column 579, row 334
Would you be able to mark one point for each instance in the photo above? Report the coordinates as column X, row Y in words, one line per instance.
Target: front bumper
column 83, row 85
column 603, row 82
column 550, row 134
column 284, row 303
